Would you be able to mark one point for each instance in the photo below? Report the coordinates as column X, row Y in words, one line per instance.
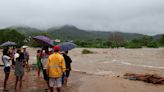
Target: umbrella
column 44, row 40
column 8, row 43
column 65, row 46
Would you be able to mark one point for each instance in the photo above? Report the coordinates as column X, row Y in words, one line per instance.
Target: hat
column 56, row 48
column 24, row 47
column 16, row 55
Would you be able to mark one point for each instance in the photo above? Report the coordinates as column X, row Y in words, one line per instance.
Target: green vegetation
column 161, row 41
column 87, row 39
column 11, row 35
column 85, row 51
column 146, row 41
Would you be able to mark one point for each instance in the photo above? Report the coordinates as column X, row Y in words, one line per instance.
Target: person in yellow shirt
column 55, row 68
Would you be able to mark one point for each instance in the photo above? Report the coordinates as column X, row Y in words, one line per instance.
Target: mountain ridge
column 70, row 32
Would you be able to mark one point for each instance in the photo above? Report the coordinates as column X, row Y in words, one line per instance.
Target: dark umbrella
column 66, row 46
column 8, row 43
column 43, row 40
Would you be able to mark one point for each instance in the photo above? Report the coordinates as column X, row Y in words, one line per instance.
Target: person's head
column 24, row 49
column 18, row 51
column 38, row 51
column 56, row 48
column 45, row 50
column 66, row 52
column 5, row 52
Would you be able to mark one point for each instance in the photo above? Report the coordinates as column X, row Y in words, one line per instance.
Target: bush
column 85, row 51
column 152, row 44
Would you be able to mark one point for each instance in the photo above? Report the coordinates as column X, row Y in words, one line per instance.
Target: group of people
column 54, row 64
column 19, row 61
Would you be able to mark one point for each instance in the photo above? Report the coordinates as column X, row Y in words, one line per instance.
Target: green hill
column 27, row 31
column 69, row 32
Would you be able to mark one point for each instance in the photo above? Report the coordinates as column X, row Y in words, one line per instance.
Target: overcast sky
column 136, row 16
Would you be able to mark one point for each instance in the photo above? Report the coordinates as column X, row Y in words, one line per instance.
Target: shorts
column 7, row 69
column 67, row 73
column 38, row 64
column 45, row 75
column 55, row 82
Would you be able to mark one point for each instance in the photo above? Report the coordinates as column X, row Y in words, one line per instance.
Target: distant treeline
column 115, row 40
column 146, row 41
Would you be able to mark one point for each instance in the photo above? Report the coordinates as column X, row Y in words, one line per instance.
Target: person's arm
column 63, row 65
column 8, row 58
column 47, row 66
column 28, row 56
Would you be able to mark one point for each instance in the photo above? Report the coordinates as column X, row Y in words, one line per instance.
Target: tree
column 146, row 40
column 116, row 39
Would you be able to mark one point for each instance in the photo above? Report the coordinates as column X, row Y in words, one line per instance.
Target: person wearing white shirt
column 5, row 59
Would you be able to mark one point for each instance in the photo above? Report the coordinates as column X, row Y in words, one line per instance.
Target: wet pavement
column 31, row 82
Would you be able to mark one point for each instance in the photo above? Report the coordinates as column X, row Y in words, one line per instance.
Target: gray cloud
column 143, row 16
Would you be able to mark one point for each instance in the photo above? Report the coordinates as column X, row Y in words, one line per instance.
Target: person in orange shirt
column 55, row 68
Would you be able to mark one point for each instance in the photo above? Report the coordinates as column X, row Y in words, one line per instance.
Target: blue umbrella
column 66, row 46
column 44, row 40
column 8, row 43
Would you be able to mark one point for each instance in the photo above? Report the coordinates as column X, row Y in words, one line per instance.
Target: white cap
column 16, row 56
column 24, row 47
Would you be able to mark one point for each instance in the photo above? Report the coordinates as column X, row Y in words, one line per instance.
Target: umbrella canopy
column 43, row 40
column 8, row 43
column 66, row 46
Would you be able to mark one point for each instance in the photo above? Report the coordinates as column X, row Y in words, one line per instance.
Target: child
column 19, row 68
column 38, row 56
column 68, row 62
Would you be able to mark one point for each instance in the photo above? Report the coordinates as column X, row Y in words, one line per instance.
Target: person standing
column 26, row 57
column 19, row 68
column 38, row 57
column 44, row 57
column 5, row 59
column 68, row 62
column 55, row 68
column 12, row 56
